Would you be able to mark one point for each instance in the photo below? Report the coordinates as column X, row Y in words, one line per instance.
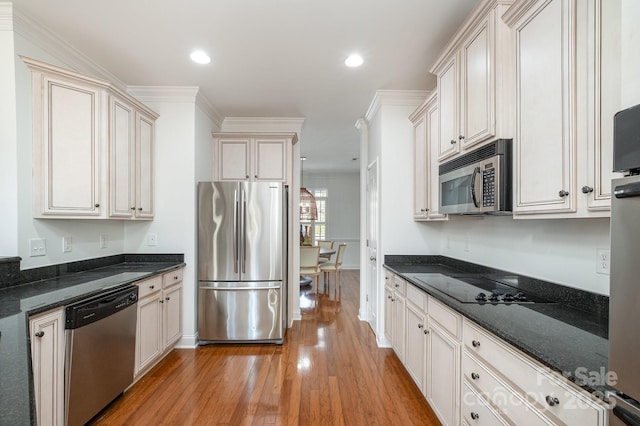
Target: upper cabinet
column 564, row 112
column 92, row 148
column 253, row 156
column 475, row 82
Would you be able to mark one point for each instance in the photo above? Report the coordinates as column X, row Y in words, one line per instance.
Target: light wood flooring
column 328, row 372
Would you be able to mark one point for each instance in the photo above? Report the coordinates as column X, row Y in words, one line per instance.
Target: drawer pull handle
column 475, row 343
column 475, row 416
column 552, row 400
column 40, row 333
column 475, row 376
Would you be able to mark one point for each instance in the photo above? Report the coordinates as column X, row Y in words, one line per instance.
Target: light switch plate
column 152, row 240
column 66, row 244
column 37, row 247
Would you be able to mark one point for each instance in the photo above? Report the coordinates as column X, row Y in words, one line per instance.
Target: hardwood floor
column 328, row 372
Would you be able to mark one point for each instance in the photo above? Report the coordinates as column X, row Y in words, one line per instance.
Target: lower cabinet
column 470, row 376
column 394, row 304
column 159, row 318
column 47, row 356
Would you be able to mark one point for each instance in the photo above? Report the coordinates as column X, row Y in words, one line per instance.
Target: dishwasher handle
column 98, row 307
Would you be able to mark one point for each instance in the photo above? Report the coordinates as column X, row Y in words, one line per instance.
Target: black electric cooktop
column 475, row 289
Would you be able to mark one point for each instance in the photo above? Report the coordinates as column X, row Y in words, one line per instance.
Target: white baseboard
column 187, row 342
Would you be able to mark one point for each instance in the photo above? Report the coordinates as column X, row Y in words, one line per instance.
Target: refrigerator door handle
column 244, row 231
column 625, row 410
column 271, row 287
column 628, row 190
column 235, row 231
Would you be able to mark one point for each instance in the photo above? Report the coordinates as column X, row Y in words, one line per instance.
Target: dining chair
column 325, row 244
column 309, row 256
column 336, row 268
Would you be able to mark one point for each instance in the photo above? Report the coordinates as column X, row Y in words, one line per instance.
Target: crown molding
column 396, row 98
column 6, row 17
column 263, row 124
column 207, row 107
column 47, row 40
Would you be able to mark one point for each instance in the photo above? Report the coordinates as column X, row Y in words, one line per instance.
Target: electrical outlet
column 152, row 240
column 104, row 241
column 66, row 244
column 603, row 261
column 37, row 247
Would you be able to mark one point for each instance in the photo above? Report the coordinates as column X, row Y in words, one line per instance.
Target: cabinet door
column 477, row 89
column 121, row 154
column 433, row 180
column 67, row 163
column 448, row 110
column 144, row 166
column 545, row 79
column 399, row 304
column 420, row 169
column 149, row 334
column 233, row 159
column 443, row 375
column 415, row 356
column 47, row 357
column 172, row 317
column 388, row 314
column 270, row 156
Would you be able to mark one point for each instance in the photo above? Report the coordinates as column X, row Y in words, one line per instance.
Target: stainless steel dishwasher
column 100, row 352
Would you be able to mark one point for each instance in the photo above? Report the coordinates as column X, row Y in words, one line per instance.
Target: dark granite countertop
column 571, row 340
column 20, row 299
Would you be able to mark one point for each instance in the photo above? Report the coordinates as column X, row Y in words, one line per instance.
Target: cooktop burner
column 475, row 289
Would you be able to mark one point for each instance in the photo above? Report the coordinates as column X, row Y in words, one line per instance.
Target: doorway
column 372, row 245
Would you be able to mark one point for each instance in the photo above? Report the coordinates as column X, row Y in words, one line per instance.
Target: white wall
column 630, row 37
column 343, row 211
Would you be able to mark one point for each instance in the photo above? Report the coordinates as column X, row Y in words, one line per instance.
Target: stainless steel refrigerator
column 242, row 258
column 624, row 300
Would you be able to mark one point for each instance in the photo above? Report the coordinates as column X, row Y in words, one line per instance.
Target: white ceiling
column 270, row 58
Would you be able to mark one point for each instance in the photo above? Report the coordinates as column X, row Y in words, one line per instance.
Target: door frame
column 370, row 293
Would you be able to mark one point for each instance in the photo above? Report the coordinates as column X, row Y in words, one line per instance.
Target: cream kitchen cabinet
column 47, row 356
column 68, row 128
column 426, row 178
column 395, row 303
column 131, row 139
column 520, row 388
column 417, row 336
column 475, row 82
column 159, row 318
column 564, row 157
column 92, row 148
column 253, row 156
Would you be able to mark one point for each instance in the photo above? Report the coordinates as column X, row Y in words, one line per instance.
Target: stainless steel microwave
column 479, row 181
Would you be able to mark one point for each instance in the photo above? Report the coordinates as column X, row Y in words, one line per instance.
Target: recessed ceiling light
column 200, row 57
column 354, row 61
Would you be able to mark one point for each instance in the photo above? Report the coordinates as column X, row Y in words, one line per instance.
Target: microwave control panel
column 489, row 186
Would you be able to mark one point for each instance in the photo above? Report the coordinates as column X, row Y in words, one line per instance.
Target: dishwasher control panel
column 98, row 307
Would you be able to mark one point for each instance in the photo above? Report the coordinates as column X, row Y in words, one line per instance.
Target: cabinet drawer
column 475, row 411
column 417, row 297
column 149, row 286
column 172, row 277
column 547, row 393
column 399, row 285
column 501, row 396
column 449, row 320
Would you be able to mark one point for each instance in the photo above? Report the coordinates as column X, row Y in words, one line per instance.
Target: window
column 318, row 229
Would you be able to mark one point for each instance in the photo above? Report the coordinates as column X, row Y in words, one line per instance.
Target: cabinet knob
column 161, row 301
column 140, row 208
column 393, row 300
column 420, row 325
column 167, row 298
column 475, row 416
column 175, row 277
column 97, row 205
column 133, row 208
column 461, row 137
column 475, row 343
column 587, row 189
column 453, row 141
column 389, row 297
column 39, row 333
column 256, row 176
column 247, row 177
column 562, row 193
column 426, row 331
column 475, row 376
column 152, row 287
column 552, row 400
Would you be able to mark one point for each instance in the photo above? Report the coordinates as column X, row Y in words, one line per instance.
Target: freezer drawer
column 240, row 312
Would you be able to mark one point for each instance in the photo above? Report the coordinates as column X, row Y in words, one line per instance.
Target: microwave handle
column 476, row 172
